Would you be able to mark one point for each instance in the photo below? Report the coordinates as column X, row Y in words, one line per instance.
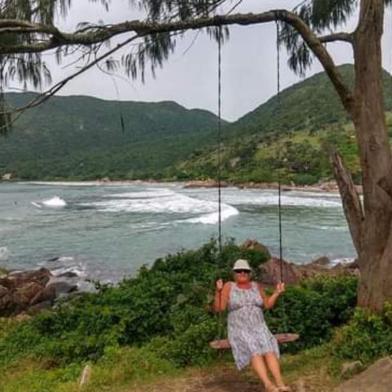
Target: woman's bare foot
column 284, row 388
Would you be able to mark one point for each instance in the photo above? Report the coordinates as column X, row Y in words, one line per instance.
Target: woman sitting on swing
column 250, row 339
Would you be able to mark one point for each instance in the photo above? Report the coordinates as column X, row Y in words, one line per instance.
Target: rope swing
column 222, row 344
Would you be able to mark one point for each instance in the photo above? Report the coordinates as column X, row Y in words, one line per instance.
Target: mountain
column 311, row 104
column 286, row 137
column 83, row 137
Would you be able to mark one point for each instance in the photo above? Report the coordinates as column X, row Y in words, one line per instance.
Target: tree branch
column 145, row 28
column 41, row 98
column 351, row 202
column 337, row 37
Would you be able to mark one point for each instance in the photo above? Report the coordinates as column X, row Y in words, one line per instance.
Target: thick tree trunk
column 375, row 250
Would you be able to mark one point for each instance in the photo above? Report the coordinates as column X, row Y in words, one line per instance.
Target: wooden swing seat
column 224, row 344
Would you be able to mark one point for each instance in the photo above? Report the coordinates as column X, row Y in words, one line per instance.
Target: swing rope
column 219, row 171
column 279, row 185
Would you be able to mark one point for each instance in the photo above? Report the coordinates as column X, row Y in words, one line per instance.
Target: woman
column 250, row 339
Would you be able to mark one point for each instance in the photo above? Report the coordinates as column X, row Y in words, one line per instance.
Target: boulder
column 30, row 291
column 256, row 246
column 68, row 274
column 3, row 291
column 294, row 273
column 23, row 295
column 48, row 294
column 323, row 261
column 376, row 378
column 61, row 287
column 7, row 304
column 273, row 269
column 41, row 276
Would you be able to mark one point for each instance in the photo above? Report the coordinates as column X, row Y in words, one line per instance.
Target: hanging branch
column 351, row 202
column 103, row 33
column 41, row 98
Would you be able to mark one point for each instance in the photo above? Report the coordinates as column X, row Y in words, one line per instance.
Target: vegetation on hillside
column 286, row 138
column 87, row 138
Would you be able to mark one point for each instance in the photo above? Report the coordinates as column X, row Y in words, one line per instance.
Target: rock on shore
column 275, row 270
column 30, row 291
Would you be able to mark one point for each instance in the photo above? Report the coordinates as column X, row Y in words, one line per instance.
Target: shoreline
column 324, row 187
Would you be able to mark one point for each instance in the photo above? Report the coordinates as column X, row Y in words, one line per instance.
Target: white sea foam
column 65, row 259
column 344, row 260
column 213, row 218
column 268, row 199
column 149, row 193
column 4, row 253
column 165, row 201
column 54, row 202
column 79, row 270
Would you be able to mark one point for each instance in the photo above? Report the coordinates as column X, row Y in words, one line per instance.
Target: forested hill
column 83, row 137
column 311, row 104
column 287, row 137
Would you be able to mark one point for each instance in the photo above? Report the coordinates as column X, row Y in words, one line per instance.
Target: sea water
column 106, row 232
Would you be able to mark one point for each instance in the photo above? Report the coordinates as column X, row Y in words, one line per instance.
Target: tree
column 27, row 29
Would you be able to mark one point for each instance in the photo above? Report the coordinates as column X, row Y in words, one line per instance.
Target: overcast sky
column 248, row 70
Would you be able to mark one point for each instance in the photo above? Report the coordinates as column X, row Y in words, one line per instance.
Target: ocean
column 108, row 231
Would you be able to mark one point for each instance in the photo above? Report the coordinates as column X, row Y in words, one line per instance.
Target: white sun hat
column 241, row 264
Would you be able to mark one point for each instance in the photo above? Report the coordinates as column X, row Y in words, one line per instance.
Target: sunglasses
column 240, row 271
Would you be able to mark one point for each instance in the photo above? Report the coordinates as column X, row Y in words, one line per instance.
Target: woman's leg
column 259, row 367
column 274, row 367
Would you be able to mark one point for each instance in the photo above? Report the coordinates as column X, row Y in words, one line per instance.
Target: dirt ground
column 228, row 379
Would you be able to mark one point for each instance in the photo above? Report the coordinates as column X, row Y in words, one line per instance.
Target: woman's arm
column 269, row 301
column 222, row 294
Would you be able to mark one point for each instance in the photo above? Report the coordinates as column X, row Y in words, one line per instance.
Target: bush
column 305, row 179
column 167, row 308
column 165, row 300
column 312, row 309
column 367, row 337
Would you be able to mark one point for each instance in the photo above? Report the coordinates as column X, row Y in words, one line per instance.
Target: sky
column 189, row 77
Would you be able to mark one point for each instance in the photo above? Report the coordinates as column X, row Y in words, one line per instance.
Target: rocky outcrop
column 256, row 246
column 274, row 270
column 376, row 378
column 294, row 273
column 30, row 291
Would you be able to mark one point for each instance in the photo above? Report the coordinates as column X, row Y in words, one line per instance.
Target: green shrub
column 167, row 308
column 165, row 300
column 305, row 179
column 191, row 347
column 367, row 337
column 312, row 309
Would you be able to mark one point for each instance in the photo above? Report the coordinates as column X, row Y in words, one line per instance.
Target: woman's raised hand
column 280, row 288
column 219, row 285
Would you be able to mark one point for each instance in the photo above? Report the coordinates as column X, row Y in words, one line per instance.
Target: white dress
column 247, row 330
